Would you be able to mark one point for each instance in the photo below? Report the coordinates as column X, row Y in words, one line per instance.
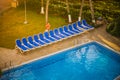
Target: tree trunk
column 68, row 11
column 80, row 13
column 47, row 5
column 25, row 22
column 42, row 7
column 92, row 11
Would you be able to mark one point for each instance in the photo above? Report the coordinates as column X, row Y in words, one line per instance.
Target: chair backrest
column 84, row 22
column 74, row 25
column 30, row 39
column 51, row 33
column 78, row 23
column 70, row 27
column 46, row 34
column 41, row 36
column 36, row 37
column 18, row 42
column 65, row 28
column 56, row 31
column 24, row 40
column 61, row 29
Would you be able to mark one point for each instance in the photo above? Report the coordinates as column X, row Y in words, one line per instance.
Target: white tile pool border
column 58, row 53
column 107, row 47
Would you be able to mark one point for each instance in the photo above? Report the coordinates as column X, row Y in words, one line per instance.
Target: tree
column 68, row 11
column 25, row 22
column 92, row 11
column 47, row 6
column 80, row 13
column 42, row 7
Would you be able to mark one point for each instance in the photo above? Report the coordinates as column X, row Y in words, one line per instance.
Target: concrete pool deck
column 10, row 57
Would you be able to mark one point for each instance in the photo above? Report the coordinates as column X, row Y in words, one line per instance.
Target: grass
column 12, row 27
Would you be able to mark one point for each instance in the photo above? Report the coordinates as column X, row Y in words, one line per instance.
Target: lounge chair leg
column 18, row 50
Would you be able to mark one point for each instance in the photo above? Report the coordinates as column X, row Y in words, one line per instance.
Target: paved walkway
column 10, row 57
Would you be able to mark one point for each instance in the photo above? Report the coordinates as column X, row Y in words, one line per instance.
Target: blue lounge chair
column 62, row 32
column 71, row 29
column 76, row 28
column 38, row 40
column 85, row 23
column 67, row 31
column 80, row 26
column 53, row 35
column 58, row 34
column 31, row 41
column 21, row 46
column 24, row 40
column 46, row 34
column 43, row 39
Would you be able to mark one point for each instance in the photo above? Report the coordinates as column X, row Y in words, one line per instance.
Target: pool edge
column 58, row 53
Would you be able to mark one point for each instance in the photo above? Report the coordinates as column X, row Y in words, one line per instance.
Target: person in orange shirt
column 47, row 27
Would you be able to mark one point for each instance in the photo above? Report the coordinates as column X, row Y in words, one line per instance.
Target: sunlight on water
column 18, row 74
column 77, row 56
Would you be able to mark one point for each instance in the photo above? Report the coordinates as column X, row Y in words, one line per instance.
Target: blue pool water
column 91, row 61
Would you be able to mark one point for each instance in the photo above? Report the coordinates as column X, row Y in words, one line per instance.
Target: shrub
column 110, row 27
column 114, row 27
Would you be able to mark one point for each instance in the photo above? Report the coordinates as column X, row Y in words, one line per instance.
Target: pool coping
column 57, row 53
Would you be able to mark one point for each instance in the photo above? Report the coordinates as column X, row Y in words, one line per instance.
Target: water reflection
column 78, row 56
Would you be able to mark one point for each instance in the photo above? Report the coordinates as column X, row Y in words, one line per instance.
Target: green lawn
column 12, row 27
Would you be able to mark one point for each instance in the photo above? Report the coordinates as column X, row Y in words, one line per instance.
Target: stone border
column 58, row 53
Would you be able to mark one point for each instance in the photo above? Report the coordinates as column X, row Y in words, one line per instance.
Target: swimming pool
column 91, row 61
